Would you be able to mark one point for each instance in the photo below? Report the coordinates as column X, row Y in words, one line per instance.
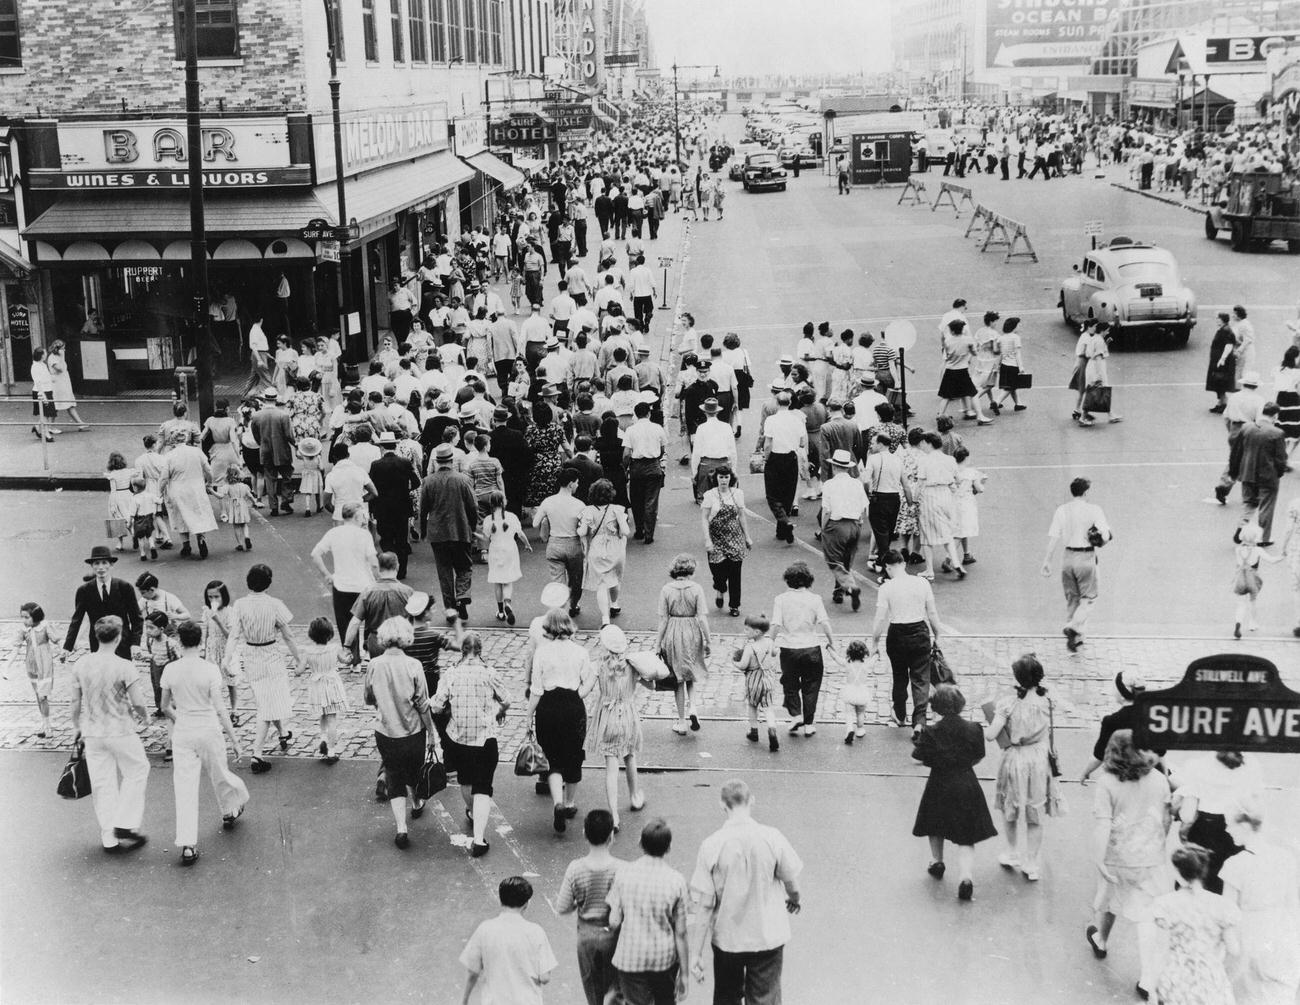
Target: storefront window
column 217, row 24
column 11, row 53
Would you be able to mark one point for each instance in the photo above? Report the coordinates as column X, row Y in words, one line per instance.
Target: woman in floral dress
column 307, row 409
column 908, row 525
column 844, row 382
column 1202, row 930
column 545, row 440
column 615, row 725
column 603, row 531
column 726, row 534
column 684, row 637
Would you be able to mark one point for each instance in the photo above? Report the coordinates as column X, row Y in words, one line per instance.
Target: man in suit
column 273, row 429
column 100, row 596
column 511, row 449
column 448, row 516
column 585, row 463
column 1261, row 461
column 394, row 479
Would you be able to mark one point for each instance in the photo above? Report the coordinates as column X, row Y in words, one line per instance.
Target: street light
column 345, row 253
column 677, row 131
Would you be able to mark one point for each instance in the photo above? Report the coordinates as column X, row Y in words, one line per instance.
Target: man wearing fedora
column 714, row 447
column 844, row 504
column 103, row 596
column 272, row 427
column 866, row 401
column 448, row 516
column 394, row 479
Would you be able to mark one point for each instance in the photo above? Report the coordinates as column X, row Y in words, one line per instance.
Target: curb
column 1198, row 210
column 53, row 483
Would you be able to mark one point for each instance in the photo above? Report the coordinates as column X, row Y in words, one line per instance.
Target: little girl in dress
column 856, row 692
column 216, row 632
column 755, row 660
column 1246, row 582
column 970, row 483
column 503, row 534
column 325, row 692
column 239, row 504
column 40, row 659
column 312, row 483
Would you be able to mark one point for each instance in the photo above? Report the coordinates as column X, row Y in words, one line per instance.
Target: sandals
column 1090, row 934
column 259, row 766
column 228, row 821
column 284, row 740
column 189, row 855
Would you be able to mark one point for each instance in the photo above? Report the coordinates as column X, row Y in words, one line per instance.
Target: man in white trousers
column 193, row 698
column 108, row 704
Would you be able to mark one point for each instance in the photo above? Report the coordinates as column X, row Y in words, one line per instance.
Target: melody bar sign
column 1226, row 701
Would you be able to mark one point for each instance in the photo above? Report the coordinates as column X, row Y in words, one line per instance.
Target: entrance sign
column 1225, row 701
column 1045, row 32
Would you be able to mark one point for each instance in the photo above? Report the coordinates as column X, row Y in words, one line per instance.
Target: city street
column 307, row 900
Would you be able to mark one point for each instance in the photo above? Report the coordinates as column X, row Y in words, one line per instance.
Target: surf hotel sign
column 1045, row 32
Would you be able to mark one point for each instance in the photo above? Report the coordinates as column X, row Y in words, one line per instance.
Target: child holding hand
column 755, row 659
column 35, row 635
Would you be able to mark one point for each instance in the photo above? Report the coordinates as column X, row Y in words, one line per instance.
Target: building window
column 215, row 21
column 399, row 32
column 369, row 30
column 419, row 32
column 11, row 53
column 455, row 50
column 438, row 30
column 471, row 36
column 494, row 30
column 484, row 49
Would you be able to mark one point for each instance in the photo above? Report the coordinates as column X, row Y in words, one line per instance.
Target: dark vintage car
column 807, row 159
column 763, row 171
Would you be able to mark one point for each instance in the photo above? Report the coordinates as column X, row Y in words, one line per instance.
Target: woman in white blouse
column 562, row 676
column 798, row 619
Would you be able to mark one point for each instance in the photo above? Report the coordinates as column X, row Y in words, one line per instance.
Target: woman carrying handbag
column 1098, row 393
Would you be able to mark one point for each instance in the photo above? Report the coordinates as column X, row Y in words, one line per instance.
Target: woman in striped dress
column 844, row 382
column 937, row 475
column 908, row 524
column 255, row 621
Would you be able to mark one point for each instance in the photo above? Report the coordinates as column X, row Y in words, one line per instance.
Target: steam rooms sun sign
column 1045, row 32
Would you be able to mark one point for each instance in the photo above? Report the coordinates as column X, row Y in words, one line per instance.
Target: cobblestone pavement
column 981, row 663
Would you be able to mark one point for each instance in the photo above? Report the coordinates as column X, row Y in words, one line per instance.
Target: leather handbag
column 433, row 777
column 530, row 760
column 940, row 671
column 74, row 780
column 757, row 462
column 668, row 682
column 1097, row 399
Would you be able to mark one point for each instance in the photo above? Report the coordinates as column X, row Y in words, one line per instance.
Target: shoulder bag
column 433, row 777
column 940, row 671
column 74, row 780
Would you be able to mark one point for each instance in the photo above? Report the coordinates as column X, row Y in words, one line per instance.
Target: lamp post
column 200, row 323
column 345, row 251
column 677, row 131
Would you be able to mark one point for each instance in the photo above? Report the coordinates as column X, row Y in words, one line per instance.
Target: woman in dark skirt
column 609, row 450
column 953, row 807
column 956, row 383
column 1221, row 376
column 395, row 687
column 1287, row 386
column 562, row 675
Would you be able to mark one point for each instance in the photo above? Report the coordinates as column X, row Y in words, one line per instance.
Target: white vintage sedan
column 1133, row 285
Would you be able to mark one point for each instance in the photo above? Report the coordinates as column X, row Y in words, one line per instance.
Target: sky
column 759, row 37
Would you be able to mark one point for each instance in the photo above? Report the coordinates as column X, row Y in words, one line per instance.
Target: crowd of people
column 467, row 429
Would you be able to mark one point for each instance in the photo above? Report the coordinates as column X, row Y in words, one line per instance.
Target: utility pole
column 200, row 324
column 345, row 243
column 677, row 130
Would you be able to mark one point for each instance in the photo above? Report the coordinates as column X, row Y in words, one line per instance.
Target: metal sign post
column 1092, row 229
column 665, row 263
column 902, row 336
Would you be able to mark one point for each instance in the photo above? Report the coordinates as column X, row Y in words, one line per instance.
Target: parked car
column 1133, row 285
column 736, row 169
column 763, row 171
column 807, row 159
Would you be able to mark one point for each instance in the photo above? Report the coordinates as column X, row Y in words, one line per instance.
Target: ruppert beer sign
column 1227, row 701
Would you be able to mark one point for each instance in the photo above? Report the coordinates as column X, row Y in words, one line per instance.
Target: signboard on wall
column 379, row 136
column 154, row 153
column 1035, row 33
column 1226, row 53
column 469, row 135
column 591, row 46
column 521, row 131
column 876, row 157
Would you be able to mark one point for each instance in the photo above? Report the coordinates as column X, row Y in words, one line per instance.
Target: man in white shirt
column 1242, row 408
column 865, row 403
column 907, row 617
column 356, row 563
column 259, row 352
column 562, row 308
column 347, row 483
column 744, row 888
column 533, row 333
column 844, row 504
column 609, row 293
column 641, row 284
column 645, row 445
column 579, row 288
column 882, row 477
column 785, row 452
column 714, row 446
column 1073, row 525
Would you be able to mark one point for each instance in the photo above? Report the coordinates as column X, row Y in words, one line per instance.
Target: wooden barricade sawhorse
column 913, row 193
column 946, row 191
column 979, row 221
column 1004, row 232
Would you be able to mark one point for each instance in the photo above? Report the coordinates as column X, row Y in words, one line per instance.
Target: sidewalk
column 1084, row 683
column 76, row 460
